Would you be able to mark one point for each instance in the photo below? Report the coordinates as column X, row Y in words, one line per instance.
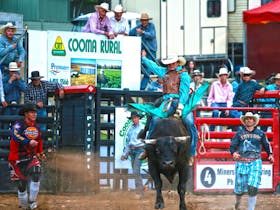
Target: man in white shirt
column 119, row 24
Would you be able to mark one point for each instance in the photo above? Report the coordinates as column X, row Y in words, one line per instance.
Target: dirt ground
column 129, row 201
column 109, row 199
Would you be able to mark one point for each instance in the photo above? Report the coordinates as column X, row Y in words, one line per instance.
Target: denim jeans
column 136, row 168
column 216, row 113
column 191, row 127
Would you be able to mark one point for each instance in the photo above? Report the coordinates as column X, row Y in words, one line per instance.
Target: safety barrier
column 214, row 166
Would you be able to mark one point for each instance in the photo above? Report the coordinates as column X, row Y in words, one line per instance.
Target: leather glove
column 178, row 112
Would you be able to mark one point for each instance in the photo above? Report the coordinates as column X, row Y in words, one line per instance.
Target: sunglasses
column 246, row 75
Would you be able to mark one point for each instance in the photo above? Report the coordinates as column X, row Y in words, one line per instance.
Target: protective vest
column 171, row 82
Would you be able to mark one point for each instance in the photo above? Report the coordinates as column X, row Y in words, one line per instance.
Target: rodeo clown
column 26, row 149
column 246, row 147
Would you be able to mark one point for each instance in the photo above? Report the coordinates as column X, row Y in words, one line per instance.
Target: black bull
column 168, row 155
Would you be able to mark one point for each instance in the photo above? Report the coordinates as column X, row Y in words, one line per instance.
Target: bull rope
column 204, row 130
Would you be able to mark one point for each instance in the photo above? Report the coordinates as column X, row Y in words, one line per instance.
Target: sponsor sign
column 76, row 58
column 222, row 176
column 121, row 128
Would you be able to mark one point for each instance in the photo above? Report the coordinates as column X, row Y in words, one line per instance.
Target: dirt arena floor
column 108, row 199
column 129, row 201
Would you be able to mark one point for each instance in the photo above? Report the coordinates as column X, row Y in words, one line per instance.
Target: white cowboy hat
column 104, row 6
column 170, row 59
column 223, row 71
column 182, row 61
column 8, row 25
column 277, row 76
column 119, row 9
column 145, row 16
column 247, row 70
column 256, row 118
column 197, row 72
column 13, row 66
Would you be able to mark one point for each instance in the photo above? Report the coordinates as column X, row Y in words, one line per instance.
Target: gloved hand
column 178, row 112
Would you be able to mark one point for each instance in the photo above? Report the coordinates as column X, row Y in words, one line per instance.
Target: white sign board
column 76, row 58
column 122, row 125
column 222, row 176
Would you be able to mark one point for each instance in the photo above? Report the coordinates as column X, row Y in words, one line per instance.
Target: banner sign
column 222, row 176
column 122, row 126
column 76, row 58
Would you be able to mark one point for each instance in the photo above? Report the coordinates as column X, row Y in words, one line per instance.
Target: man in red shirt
column 26, row 148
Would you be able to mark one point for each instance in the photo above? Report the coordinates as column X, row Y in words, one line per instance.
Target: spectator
column 191, row 66
column 245, row 91
column 197, row 81
column 2, row 95
column 37, row 93
column 99, row 23
column 10, row 47
column 270, row 102
column 14, row 86
column 220, row 94
column 146, row 30
column 134, row 147
column 119, row 23
column 26, row 150
column 246, row 147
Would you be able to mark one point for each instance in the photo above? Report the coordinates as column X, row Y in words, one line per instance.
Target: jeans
column 216, row 113
column 136, row 167
column 189, row 123
column 9, row 111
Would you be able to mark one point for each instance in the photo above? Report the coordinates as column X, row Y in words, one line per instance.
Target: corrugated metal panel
column 235, row 23
column 35, row 25
column 48, row 10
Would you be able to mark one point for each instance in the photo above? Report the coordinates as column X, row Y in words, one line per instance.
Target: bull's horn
column 150, row 141
column 182, row 138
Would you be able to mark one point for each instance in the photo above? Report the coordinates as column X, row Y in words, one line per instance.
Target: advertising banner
column 222, row 176
column 75, row 58
column 121, row 128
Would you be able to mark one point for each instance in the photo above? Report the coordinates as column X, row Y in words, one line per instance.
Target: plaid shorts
column 247, row 173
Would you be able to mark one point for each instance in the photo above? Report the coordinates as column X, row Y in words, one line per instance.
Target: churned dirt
column 66, row 173
column 128, row 201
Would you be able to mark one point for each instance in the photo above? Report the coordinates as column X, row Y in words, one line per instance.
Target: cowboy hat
column 223, row 71
column 247, row 70
column 145, row 16
column 119, row 9
column 277, row 76
column 182, row 61
column 8, row 25
column 13, row 66
column 171, row 59
column 197, row 72
column 104, row 6
column 256, row 117
column 134, row 114
column 35, row 75
column 28, row 108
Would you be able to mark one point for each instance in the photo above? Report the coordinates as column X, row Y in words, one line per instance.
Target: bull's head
column 167, row 149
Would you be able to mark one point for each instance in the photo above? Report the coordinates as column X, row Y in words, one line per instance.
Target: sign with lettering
column 222, row 176
column 76, row 58
column 121, row 128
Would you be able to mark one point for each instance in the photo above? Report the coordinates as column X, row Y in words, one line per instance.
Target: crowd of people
column 183, row 90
